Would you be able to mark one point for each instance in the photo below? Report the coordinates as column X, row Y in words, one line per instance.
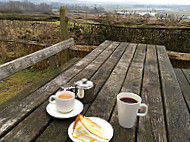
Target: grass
column 178, row 13
column 55, row 10
column 14, row 84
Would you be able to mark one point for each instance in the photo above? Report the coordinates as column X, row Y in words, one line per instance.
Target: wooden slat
column 179, row 55
column 187, row 74
column 132, row 84
column 152, row 126
column 23, row 108
column 89, row 71
column 177, row 114
column 36, row 85
column 184, row 84
column 19, row 64
column 134, row 26
column 60, row 129
column 104, row 102
column 134, row 76
column 22, row 132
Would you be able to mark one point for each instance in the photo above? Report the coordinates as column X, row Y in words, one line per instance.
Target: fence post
column 64, row 23
column 64, row 33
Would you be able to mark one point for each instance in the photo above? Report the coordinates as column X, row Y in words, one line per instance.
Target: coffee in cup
column 64, row 101
column 65, row 96
column 128, row 105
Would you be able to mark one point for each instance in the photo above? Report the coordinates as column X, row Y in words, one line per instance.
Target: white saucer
column 107, row 129
column 51, row 109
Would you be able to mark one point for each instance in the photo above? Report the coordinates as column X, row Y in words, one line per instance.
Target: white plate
column 51, row 109
column 107, row 129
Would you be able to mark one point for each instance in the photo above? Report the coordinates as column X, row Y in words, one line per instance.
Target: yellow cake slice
column 86, row 130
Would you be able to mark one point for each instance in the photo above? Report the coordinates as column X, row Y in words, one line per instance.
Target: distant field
column 102, row 18
column 92, row 29
column 28, row 16
column 178, row 13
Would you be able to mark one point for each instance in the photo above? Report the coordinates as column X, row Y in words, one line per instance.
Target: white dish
column 107, row 129
column 51, row 109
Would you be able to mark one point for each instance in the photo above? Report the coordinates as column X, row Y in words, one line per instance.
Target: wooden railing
column 24, row 62
column 25, row 42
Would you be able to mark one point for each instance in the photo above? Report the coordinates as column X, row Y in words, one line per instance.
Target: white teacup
column 128, row 105
column 64, row 101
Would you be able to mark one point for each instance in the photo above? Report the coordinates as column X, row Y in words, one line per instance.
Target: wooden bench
column 19, row 64
column 49, row 53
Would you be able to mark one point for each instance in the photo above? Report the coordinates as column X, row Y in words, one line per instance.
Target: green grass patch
column 14, row 84
column 55, row 10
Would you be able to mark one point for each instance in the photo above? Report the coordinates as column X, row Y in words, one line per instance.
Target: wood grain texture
column 97, row 63
column 179, row 56
column 187, row 74
column 152, row 127
column 114, row 67
column 31, row 102
column 104, row 102
column 184, row 84
column 177, row 114
column 135, row 73
column 19, row 64
column 132, row 83
column 61, row 130
column 30, row 127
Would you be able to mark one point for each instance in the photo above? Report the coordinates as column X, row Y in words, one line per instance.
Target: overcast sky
column 180, row 2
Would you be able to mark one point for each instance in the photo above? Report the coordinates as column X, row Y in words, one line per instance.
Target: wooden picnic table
column 114, row 67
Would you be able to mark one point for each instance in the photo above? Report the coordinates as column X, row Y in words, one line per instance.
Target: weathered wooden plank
column 132, row 83
column 105, row 100
column 37, row 85
column 152, row 127
column 179, row 55
column 134, row 76
column 23, row 108
column 31, row 127
column 23, row 131
column 19, row 64
column 61, row 129
column 89, row 71
column 184, row 84
column 25, row 42
column 177, row 114
column 187, row 74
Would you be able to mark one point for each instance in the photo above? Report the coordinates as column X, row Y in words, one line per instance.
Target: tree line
column 28, row 7
column 25, row 6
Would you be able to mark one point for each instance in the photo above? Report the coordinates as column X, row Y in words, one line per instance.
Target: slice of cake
column 86, row 130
